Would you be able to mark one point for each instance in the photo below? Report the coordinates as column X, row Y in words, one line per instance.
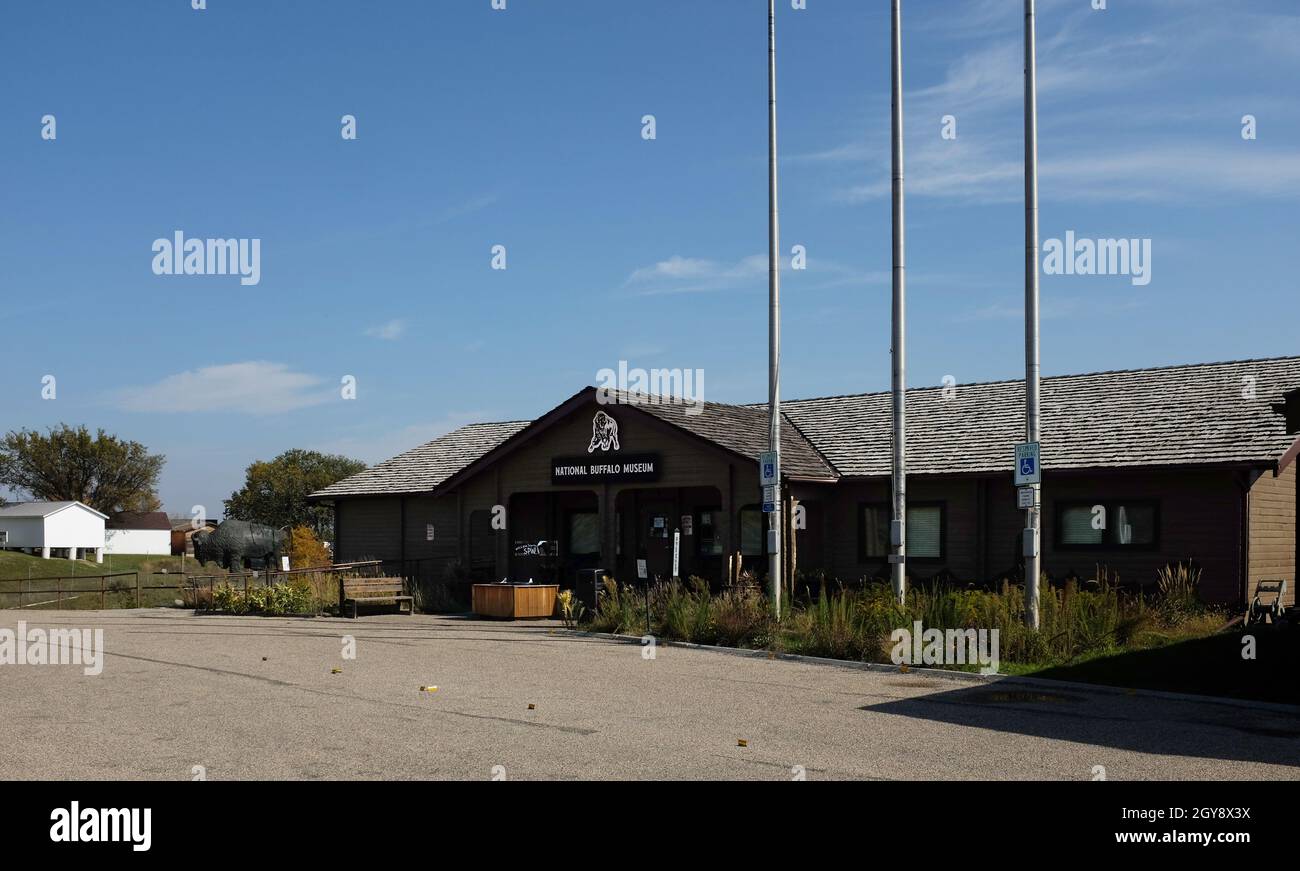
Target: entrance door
column 655, row 525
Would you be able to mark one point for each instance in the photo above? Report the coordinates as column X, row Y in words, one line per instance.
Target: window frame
column 941, row 504
column 756, row 508
column 1060, row 506
column 568, row 533
column 716, row 511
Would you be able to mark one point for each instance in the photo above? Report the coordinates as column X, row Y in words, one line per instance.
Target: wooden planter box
column 515, row 601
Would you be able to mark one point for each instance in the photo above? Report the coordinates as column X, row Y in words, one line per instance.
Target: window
column 708, row 542
column 925, row 531
column 1112, row 523
column 584, row 533
column 751, row 532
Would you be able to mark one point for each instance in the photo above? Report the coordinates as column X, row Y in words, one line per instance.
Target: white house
column 72, row 528
column 146, row 532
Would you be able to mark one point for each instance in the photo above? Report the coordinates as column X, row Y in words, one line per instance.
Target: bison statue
column 234, row 542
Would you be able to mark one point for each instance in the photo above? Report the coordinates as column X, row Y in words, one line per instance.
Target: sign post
column 1033, row 342
column 1029, row 479
column 773, row 321
column 1028, row 470
column 677, row 553
column 769, row 477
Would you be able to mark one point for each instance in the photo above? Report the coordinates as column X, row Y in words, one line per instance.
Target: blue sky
column 523, row 128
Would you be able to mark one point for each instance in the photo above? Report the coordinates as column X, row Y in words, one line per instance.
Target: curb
column 958, row 676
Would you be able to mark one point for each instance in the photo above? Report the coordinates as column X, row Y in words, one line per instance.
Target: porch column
column 45, row 553
column 608, row 531
column 501, row 537
column 729, row 520
column 99, row 554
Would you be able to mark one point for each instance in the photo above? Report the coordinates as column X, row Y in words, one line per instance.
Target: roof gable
column 44, row 509
column 424, row 468
column 734, row 429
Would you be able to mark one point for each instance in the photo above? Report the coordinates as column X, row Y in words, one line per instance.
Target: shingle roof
column 423, row 468
column 1142, row 417
column 1174, row 415
column 42, row 509
column 139, row 520
column 742, row 429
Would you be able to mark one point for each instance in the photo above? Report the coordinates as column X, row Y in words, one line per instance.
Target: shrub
column 1178, row 589
column 855, row 624
column 741, row 618
column 294, row 597
column 571, row 608
column 621, row 609
column 306, row 551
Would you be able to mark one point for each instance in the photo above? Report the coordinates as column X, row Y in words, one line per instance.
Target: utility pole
column 1033, row 535
column 773, row 318
column 898, row 344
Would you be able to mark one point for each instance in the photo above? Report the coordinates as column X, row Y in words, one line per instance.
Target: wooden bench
column 374, row 591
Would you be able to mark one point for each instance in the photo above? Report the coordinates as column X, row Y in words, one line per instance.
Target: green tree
column 107, row 473
column 275, row 492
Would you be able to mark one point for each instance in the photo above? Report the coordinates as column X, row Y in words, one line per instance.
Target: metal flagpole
column 1032, row 518
column 773, row 318
column 898, row 347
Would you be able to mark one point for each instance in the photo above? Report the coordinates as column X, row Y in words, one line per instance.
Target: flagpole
column 1033, row 536
column 773, row 318
column 898, row 346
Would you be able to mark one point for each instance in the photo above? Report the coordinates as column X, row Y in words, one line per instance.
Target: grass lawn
column 79, row 580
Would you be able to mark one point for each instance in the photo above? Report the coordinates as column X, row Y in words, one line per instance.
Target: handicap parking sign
column 1028, row 469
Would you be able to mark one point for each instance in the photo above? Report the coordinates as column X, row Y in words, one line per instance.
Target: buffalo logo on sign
column 604, row 433
column 541, row 548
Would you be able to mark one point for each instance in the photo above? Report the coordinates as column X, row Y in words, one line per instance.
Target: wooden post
column 137, row 589
column 101, row 592
column 58, row 588
column 791, row 548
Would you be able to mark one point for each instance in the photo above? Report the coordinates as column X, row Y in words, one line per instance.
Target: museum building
column 1140, row 468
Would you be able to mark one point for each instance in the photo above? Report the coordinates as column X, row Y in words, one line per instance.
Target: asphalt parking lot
column 244, row 697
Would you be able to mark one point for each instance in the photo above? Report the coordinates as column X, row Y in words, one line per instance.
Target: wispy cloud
column 388, row 332
column 253, row 387
column 468, row 207
column 1090, row 76
column 680, row 274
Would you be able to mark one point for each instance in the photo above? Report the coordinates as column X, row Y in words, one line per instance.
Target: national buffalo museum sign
column 605, row 469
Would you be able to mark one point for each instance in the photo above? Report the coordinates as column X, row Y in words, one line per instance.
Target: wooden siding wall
column 441, row 512
column 685, row 462
column 368, row 528
column 1273, row 530
column 1200, row 514
column 1200, row 519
